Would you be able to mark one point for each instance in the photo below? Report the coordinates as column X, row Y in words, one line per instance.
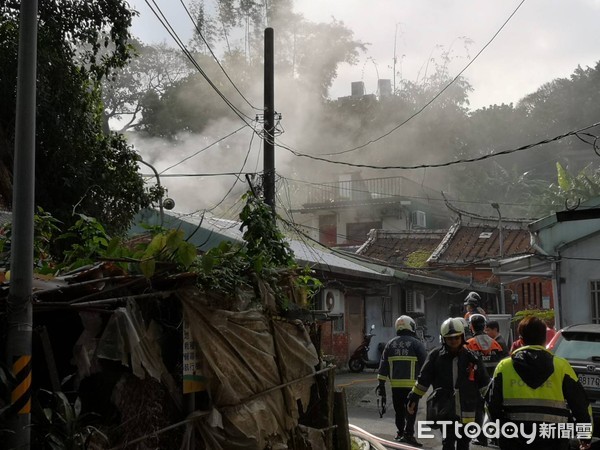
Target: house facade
column 467, row 255
column 343, row 211
column 569, row 241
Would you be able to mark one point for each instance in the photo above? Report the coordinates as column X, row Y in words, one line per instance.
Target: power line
column 444, row 164
column 435, row 96
column 203, row 149
column 165, row 23
column 215, row 57
column 195, row 175
column 415, row 197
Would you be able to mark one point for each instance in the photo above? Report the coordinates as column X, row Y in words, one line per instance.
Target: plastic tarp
column 246, row 358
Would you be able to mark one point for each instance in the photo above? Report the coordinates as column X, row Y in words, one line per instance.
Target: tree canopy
column 79, row 168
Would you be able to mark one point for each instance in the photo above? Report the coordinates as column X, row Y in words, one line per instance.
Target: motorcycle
column 360, row 358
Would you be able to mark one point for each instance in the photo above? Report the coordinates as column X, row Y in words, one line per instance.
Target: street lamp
column 497, row 208
column 169, row 203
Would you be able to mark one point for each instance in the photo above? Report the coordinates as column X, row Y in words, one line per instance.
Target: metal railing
column 357, row 190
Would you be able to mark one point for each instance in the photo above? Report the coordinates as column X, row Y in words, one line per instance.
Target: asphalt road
column 362, row 408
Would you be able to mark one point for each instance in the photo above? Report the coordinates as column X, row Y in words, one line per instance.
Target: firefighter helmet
column 452, row 327
column 473, row 299
column 405, row 323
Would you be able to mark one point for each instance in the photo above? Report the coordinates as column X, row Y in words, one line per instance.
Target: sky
column 543, row 40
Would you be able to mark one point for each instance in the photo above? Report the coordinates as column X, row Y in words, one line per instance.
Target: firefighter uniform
column 535, row 387
column 401, row 362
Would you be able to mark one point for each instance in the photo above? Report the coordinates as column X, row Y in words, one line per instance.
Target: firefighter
column 455, row 368
column 491, row 353
column 472, row 304
column 536, row 390
column 401, row 362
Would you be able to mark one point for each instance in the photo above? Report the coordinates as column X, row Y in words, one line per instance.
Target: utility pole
column 19, row 313
column 269, row 127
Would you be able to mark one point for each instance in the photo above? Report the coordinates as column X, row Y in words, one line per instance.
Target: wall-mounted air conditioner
column 415, row 302
column 332, row 300
column 419, row 219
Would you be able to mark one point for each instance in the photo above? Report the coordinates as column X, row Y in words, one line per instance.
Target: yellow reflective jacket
column 533, row 385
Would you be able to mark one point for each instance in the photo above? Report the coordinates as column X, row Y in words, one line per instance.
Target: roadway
column 363, row 411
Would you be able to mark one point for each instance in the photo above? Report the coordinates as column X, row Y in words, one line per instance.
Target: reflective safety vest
column 403, row 370
column 489, row 350
column 543, row 404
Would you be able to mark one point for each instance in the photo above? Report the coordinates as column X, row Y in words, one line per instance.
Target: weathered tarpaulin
column 245, row 356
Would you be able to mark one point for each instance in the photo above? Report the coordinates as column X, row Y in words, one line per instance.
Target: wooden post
column 340, row 419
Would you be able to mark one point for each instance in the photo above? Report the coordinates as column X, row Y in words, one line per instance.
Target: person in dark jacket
column 455, row 368
column 473, row 305
column 401, row 361
column 492, row 329
column 537, row 390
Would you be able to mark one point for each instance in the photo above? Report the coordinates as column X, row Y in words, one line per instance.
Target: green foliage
column 225, row 269
column 62, row 425
column 266, row 246
column 571, row 189
column 78, row 166
column 543, row 314
column 168, row 246
column 45, row 229
column 418, row 259
column 88, row 240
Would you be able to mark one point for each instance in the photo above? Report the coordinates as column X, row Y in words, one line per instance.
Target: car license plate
column 590, row 381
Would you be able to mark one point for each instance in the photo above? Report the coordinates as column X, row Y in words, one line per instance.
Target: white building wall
column 575, row 295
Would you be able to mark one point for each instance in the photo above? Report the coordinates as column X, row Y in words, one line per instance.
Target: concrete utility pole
column 20, row 317
column 269, row 127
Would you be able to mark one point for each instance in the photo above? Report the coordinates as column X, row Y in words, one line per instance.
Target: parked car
column 580, row 345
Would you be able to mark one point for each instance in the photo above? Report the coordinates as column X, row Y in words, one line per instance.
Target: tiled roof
column 400, row 247
column 468, row 243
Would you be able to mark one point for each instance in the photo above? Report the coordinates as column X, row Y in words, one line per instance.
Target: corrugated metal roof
column 207, row 232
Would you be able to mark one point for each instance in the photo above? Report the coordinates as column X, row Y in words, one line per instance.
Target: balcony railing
column 361, row 190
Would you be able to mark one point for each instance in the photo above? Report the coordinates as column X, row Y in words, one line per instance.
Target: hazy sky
column 544, row 40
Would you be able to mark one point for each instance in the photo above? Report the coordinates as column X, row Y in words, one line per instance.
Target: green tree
column 78, row 167
column 150, row 72
column 307, row 58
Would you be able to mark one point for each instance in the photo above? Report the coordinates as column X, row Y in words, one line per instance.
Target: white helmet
column 452, row 327
column 405, row 323
column 473, row 299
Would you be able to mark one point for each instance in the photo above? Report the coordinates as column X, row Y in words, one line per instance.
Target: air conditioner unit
column 415, row 302
column 332, row 300
column 419, row 219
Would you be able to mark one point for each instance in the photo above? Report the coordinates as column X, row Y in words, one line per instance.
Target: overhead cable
column 419, row 111
column 444, row 164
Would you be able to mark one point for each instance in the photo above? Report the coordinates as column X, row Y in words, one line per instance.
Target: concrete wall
column 575, row 296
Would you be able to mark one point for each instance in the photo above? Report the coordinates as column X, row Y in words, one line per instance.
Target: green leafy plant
column 62, row 426
column 45, row 228
column 169, row 246
column 543, row 314
column 88, row 240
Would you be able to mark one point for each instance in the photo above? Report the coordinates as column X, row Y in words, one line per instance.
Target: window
column 386, row 311
column 338, row 324
column 595, row 294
